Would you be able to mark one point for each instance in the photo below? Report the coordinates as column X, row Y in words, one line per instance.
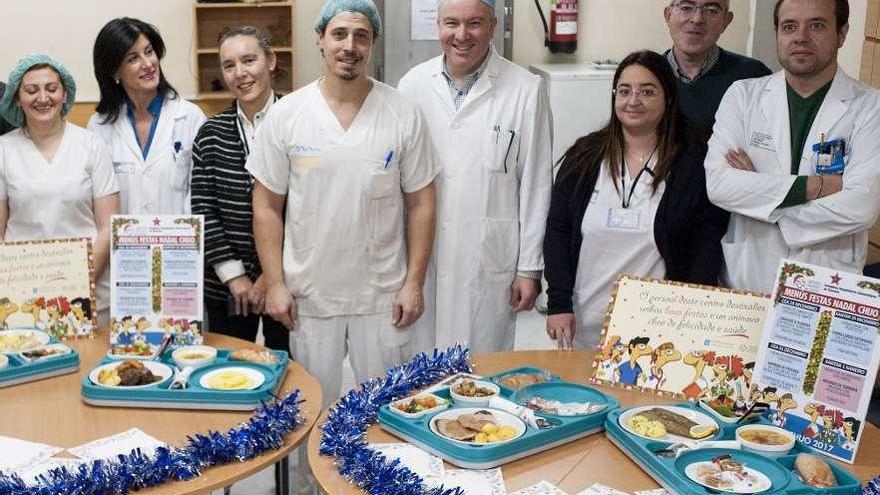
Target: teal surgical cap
column 11, row 109
column 490, row 3
column 334, row 7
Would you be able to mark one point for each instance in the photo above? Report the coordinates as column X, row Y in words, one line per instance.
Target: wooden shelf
column 210, row 20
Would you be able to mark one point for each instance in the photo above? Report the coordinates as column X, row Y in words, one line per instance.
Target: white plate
column 40, row 339
column 255, row 376
column 757, row 481
column 61, row 350
column 502, row 418
column 161, row 370
column 695, row 416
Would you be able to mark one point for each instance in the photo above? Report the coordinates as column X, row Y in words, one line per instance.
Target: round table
column 573, row 466
column 51, row 411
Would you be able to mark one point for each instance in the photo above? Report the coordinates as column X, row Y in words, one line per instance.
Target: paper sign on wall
column 679, row 340
column 818, row 357
column 48, row 285
column 423, row 20
column 156, row 280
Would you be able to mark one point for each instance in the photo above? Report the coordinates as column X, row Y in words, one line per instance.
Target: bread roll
column 814, row 471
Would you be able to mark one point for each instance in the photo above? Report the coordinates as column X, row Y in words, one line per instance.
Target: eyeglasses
column 626, row 92
column 689, row 9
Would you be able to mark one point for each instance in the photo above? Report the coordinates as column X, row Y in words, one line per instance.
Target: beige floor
column 529, row 335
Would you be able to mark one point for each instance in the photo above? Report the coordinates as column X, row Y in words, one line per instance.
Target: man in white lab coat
column 490, row 121
column 795, row 156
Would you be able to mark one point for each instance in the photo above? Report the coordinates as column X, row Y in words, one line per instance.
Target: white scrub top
column 344, row 246
column 158, row 184
column 615, row 240
column 54, row 200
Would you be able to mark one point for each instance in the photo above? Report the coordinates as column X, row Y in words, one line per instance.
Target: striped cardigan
column 221, row 191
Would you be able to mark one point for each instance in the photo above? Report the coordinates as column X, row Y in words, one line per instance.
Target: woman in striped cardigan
column 221, row 191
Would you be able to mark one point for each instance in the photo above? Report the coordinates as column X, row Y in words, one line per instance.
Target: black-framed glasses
column 689, row 9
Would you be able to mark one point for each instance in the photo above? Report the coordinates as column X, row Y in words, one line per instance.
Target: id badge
column 830, row 157
column 623, row 219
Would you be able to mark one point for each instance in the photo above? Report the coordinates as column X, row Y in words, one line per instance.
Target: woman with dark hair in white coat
column 147, row 126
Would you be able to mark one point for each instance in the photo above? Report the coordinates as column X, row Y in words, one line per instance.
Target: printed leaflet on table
column 682, row 341
column 48, row 285
column 818, row 357
column 156, row 280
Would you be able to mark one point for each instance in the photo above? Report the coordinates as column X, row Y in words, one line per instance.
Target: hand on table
column 561, row 328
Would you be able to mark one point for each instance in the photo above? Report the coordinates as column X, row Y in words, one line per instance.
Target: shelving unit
column 212, row 19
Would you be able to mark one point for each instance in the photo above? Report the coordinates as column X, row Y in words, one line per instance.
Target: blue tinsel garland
column 265, row 430
column 873, row 487
column 344, row 435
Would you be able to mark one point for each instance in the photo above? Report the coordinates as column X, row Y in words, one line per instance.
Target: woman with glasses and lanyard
column 221, row 191
column 629, row 198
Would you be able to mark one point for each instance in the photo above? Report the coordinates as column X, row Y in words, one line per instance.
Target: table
column 51, row 411
column 575, row 465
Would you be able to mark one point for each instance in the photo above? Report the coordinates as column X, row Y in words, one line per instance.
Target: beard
column 809, row 68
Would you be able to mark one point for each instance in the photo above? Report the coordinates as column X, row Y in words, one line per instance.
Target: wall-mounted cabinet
column 212, row 19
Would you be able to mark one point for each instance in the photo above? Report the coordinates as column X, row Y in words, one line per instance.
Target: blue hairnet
column 333, row 7
column 11, row 109
column 490, row 3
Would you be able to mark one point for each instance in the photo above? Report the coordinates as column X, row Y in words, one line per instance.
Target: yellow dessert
column 230, row 380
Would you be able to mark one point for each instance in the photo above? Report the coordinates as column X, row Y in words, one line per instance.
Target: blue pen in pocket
column 388, row 159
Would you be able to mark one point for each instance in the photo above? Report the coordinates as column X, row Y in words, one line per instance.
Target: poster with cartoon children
column 48, row 285
column 819, row 356
column 156, row 284
column 682, row 341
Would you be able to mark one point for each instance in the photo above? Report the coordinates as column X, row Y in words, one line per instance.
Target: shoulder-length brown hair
column 588, row 152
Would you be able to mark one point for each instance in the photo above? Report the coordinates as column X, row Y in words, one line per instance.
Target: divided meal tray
column 20, row 370
column 193, row 396
column 418, row 430
column 670, row 472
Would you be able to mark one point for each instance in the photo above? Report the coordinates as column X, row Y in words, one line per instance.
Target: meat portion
column 675, row 423
column 477, row 420
column 133, row 373
column 453, row 429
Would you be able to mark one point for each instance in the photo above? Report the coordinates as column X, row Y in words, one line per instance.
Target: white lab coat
column 832, row 231
column 492, row 201
column 158, row 184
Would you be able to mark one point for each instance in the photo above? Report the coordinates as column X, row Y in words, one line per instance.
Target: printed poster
column 48, row 285
column 423, row 20
column 679, row 340
column 156, row 281
column 818, row 358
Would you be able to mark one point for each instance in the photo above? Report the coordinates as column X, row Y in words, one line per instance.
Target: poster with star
column 156, row 282
column 684, row 341
column 818, row 358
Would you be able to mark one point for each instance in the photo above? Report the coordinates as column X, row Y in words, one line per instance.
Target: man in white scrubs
column 354, row 162
column 795, row 156
column 490, row 121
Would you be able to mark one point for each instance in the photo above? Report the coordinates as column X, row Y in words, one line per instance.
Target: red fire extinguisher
column 561, row 35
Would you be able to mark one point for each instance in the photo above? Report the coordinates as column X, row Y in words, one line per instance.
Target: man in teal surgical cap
column 490, row 122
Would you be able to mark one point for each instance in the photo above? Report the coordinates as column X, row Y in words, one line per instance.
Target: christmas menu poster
column 48, row 285
column 818, row 357
column 156, row 281
column 681, row 340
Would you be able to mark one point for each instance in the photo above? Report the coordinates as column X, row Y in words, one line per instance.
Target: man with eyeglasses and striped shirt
column 703, row 69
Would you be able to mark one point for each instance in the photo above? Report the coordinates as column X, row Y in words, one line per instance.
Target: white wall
column 66, row 29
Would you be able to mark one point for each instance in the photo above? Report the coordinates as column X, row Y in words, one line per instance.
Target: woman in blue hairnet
column 56, row 179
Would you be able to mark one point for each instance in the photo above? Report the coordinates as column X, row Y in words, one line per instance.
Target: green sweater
column 699, row 100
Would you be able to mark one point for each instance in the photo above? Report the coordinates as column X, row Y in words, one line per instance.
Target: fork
column 181, row 378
